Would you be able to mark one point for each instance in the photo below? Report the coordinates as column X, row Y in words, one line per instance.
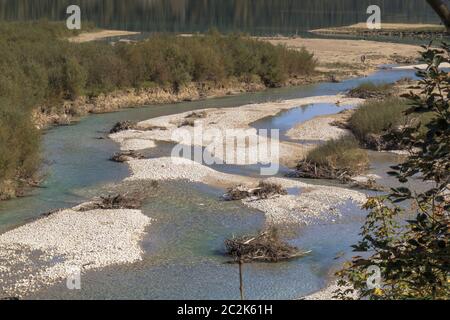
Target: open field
column 345, row 58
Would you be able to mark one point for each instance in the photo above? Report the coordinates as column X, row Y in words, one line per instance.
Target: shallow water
column 77, row 161
column 286, row 120
column 184, row 254
column 182, row 248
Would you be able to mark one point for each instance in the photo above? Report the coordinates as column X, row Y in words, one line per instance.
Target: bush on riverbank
column 375, row 119
column 19, row 151
column 40, row 69
column 166, row 60
column 336, row 159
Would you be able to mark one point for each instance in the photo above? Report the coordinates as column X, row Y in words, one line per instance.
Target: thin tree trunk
column 241, row 281
column 442, row 10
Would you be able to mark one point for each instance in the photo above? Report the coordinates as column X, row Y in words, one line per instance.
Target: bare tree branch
column 442, row 10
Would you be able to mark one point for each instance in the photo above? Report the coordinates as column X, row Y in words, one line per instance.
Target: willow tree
column 442, row 10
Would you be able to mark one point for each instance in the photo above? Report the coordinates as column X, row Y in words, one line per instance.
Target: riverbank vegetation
column 376, row 120
column 336, row 159
column 374, row 124
column 40, row 69
column 409, row 259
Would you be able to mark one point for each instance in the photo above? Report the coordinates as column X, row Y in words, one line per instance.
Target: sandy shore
column 396, row 31
column 46, row 251
column 399, row 27
column 343, row 58
column 99, row 35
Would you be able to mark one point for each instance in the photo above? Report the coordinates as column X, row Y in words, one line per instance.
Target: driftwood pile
column 308, row 170
column 264, row 190
column 123, row 126
column 363, row 93
column 197, row 115
column 383, row 141
column 189, row 120
column 125, row 156
column 266, row 246
column 131, row 200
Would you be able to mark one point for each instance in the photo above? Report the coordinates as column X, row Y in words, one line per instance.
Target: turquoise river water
column 184, row 246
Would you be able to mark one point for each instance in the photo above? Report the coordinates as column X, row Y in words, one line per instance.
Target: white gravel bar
column 318, row 129
column 168, row 168
column 313, row 203
column 171, row 129
column 47, row 250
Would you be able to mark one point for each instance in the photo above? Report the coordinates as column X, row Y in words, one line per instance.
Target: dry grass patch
column 336, row 159
column 376, row 120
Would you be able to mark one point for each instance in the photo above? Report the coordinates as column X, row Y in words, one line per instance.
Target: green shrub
column 375, row 117
column 19, row 149
column 341, row 155
column 75, row 78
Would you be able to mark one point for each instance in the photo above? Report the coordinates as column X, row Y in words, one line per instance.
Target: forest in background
column 258, row 17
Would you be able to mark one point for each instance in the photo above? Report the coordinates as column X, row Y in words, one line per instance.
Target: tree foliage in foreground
column 413, row 255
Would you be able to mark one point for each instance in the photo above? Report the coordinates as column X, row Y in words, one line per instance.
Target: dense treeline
column 38, row 67
column 262, row 17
